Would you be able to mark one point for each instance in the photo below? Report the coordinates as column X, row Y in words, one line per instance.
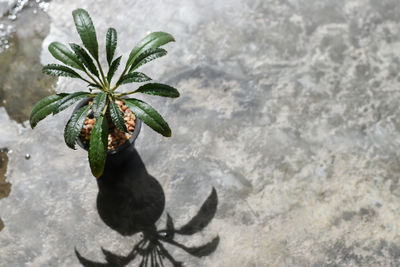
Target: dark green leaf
column 84, row 58
column 149, row 116
column 134, row 77
column 98, row 104
column 111, row 44
column 69, row 100
column 113, row 68
column 95, row 85
column 147, row 56
column 60, row 70
column 158, row 89
column 86, row 30
column 74, row 126
column 116, row 116
column 153, row 40
column 63, row 54
column 44, row 107
column 98, row 146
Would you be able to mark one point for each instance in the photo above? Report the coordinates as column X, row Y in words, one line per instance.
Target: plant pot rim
column 129, row 142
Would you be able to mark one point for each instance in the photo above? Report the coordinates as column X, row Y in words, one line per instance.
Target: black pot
column 130, row 142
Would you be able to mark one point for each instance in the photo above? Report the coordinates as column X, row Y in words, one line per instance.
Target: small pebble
column 27, row 156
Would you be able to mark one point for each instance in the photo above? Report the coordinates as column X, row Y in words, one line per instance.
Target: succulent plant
column 103, row 107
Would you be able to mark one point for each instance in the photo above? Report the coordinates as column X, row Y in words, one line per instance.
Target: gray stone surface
column 288, row 108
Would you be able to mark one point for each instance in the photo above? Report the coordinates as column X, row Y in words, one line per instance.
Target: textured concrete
column 288, row 108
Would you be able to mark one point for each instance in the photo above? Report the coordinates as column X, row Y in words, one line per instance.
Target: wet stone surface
column 5, row 187
column 289, row 109
column 22, row 83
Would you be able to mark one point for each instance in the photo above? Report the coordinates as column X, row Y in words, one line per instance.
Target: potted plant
column 105, row 118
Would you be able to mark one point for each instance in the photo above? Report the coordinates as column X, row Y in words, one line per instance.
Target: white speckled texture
column 290, row 109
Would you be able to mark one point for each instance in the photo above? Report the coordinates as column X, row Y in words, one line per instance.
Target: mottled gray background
column 289, row 108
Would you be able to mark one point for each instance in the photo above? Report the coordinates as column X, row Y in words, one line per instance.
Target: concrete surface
column 290, row 109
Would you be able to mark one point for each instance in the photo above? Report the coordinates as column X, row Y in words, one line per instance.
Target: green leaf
column 86, row 30
column 158, row 89
column 98, row 104
column 147, row 56
column 44, row 107
column 149, row 116
column 69, row 100
column 116, row 116
column 134, row 77
column 60, row 70
column 98, row 146
column 111, row 44
column 113, row 68
column 95, row 85
column 153, row 40
column 74, row 126
column 63, row 54
column 84, row 58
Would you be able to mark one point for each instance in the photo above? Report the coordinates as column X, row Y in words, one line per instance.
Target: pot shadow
column 130, row 201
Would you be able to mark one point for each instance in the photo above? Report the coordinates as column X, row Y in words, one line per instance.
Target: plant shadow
column 130, row 201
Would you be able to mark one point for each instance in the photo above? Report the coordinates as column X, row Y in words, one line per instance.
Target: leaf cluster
column 83, row 63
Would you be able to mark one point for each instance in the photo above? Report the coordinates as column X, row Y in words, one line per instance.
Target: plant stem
column 115, row 87
column 105, row 108
column 98, row 82
column 85, row 80
column 122, row 75
column 128, row 93
column 93, row 79
column 105, row 83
